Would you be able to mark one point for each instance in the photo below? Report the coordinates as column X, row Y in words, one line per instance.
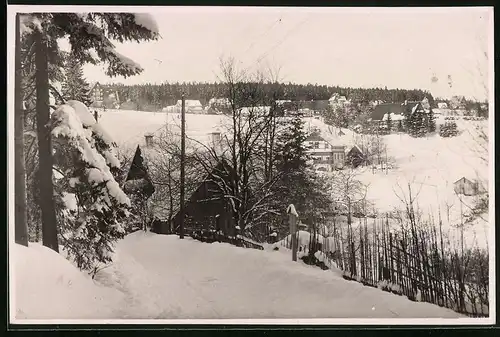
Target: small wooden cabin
column 467, row 187
column 208, row 208
column 355, row 157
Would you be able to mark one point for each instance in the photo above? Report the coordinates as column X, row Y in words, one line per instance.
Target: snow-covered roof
column 394, row 117
column 192, row 103
column 93, row 85
column 257, row 109
column 222, row 101
column 314, row 137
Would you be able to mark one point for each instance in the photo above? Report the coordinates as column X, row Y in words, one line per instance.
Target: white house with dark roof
column 326, row 157
column 96, row 94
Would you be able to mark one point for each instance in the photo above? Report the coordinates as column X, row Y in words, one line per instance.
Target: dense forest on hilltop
column 156, row 96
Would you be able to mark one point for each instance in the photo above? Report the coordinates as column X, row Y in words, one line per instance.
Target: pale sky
column 393, row 47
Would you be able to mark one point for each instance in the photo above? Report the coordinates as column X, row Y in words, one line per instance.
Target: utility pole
column 292, row 220
column 183, row 163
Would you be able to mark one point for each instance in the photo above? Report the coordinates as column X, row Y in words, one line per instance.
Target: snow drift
column 47, row 286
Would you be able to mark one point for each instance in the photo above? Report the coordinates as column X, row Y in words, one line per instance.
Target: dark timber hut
column 208, row 208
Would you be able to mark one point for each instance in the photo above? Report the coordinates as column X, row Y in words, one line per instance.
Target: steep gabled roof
column 463, row 179
column 406, row 108
column 93, row 85
column 387, row 108
column 315, row 137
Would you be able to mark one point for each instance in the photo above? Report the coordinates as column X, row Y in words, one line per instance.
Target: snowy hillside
column 163, row 277
column 431, row 165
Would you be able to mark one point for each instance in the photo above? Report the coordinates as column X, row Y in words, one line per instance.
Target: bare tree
column 247, row 180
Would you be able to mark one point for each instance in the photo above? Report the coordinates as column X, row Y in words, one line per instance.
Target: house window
column 316, row 145
column 326, row 145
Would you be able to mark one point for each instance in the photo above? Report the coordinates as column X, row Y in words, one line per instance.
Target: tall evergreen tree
column 74, row 86
column 299, row 184
column 47, row 29
column 21, row 224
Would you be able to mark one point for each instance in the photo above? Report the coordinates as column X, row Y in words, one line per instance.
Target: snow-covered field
column 431, row 165
column 163, row 277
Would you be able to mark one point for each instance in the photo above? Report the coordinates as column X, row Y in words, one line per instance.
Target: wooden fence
column 415, row 263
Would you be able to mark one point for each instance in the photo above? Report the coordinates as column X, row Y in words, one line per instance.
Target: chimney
column 96, row 115
column 149, row 139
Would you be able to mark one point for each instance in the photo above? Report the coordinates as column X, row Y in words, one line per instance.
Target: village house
column 338, row 101
column 307, row 108
column 217, row 106
column 426, row 104
column 458, row 103
column 442, row 105
column 96, row 94
column 397, row 111
column 467, row 187
column 192, row 106
column 325, row 156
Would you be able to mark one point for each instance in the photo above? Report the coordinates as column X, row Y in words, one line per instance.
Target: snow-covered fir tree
column 431, row 121
column 416, row 123
column 139, row 187
column 389, row 122
column 89, row 35
column 74, row 85
column 299, row 184
column 91, row 205
column 448, row 129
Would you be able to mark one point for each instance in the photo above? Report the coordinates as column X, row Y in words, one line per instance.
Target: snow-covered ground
column 431, row 165
column 163, row 277
column 47, row 286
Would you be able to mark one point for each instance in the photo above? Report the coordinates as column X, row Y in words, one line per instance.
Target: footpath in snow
column 163, row 277
column 168, row 278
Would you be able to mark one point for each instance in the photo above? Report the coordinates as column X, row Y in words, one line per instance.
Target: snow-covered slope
column 128, row 128
column 47, row 286
column 168, row 278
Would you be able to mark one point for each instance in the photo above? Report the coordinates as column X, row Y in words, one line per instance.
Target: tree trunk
column 21, row 225
column 49, row 221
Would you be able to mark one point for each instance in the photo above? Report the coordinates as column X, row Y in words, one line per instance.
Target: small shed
column 467, row 187
column 355, row 156
column 208, row 208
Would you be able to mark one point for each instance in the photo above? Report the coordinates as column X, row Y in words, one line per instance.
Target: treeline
column 161, row 95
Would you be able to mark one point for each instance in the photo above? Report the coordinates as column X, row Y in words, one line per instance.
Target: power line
column 264, row 33
column 290, row 32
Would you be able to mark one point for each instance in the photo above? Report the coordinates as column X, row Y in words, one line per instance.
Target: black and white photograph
column 250, row 165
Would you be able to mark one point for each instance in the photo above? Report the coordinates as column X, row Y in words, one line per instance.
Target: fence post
column 292, row 218
column 393, row 280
